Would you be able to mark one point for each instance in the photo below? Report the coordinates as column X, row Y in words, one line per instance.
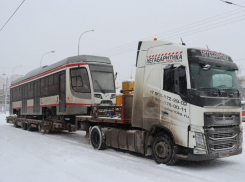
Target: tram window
column 43, row 82
column 26, row 90
column 80, row 80
column 56, row 78
column 74, row 81
column 51, row 80
column 47, row 82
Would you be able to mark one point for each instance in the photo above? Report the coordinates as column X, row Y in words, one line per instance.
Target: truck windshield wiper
column 210, row 88
column 102, row 90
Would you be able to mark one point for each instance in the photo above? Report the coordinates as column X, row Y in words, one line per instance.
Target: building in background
column 4, row 103
column 4, row 106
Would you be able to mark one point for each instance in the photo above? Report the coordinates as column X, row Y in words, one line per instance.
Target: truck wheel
column 163, row 149
column 96, row 138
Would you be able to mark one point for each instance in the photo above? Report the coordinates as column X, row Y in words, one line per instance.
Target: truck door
column 151, row 96
column 174, row 109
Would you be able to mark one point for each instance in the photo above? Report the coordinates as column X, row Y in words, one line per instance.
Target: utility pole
column 13, row 72
column 44, row 55
column 80, row 38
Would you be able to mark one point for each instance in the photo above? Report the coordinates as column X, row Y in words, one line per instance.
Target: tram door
column 62, row 92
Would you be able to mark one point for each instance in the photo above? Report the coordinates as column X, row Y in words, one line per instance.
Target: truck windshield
column 103, row 78
column 213, row 77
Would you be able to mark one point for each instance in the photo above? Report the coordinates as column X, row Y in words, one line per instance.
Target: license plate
column 221, row 155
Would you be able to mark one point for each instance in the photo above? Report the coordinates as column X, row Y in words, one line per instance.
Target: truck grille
column 222, row 139
column 221, row 119
column 221, row 147
column 220, row 136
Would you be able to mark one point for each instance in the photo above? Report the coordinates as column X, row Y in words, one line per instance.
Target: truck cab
column 191, row 94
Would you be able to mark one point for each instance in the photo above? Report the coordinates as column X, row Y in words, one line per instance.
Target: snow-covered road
column 32, row 156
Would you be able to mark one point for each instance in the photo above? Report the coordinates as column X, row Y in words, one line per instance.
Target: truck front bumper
column 202, row 157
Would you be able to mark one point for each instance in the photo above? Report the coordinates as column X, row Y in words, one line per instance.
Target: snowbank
column 36, row 157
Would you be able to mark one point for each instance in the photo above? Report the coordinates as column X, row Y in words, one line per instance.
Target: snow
column 36, row 157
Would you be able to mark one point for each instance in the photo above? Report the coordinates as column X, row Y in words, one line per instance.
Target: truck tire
column 96, row 138
column 163, row 149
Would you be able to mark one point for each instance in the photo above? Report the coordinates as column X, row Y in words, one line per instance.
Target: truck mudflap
column 202, row 157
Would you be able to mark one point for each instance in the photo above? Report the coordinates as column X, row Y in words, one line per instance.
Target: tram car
column 67, row 88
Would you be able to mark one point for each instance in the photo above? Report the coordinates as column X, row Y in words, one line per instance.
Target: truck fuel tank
column 132, row 140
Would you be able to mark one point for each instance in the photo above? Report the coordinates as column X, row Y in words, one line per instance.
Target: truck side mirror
column 176, row 80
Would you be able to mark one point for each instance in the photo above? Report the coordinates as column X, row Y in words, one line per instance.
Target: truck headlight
column 199, row 151
column 200, row 142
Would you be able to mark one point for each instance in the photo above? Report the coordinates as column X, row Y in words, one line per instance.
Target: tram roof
column 69, row 60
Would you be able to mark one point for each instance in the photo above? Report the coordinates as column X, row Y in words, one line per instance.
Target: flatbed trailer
column 32, row 124
column 112, row 115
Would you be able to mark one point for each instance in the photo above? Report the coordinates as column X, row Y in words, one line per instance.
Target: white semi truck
column 185, row 105
column 190, row 94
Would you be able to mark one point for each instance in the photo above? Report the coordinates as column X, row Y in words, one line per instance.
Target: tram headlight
column 200, row 142
column 98, row 96
column 113, row 96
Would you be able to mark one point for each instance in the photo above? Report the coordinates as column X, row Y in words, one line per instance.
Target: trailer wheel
column 39, row 128
column 15, row 124
column 163, row 149
column 24, row 126
column 29, row 127
column 96, row 138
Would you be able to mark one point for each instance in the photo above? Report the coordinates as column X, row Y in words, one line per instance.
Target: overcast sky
column 45, row 25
